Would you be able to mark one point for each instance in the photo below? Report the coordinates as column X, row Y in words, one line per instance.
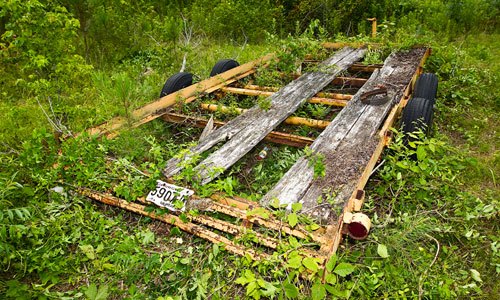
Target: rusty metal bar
column 290, row 120
column 174, row 220
column 337, row 96
column 340, row 45
column 374, row 26
column 201, row 232
column 273, row 136
column 352, row 81
column 237, row 231
column 365, row 68
column 267, row 222
column 357, row 67
column 332, row 99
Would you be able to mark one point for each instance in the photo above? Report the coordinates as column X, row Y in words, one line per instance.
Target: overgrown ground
column 435, row 220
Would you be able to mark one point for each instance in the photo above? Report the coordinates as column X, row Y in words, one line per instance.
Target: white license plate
column 166, row 194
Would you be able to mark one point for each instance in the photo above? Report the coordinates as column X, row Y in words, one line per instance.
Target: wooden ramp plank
column 248, row 129
column 346, row 145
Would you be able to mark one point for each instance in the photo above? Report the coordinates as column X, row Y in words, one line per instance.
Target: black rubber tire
column 176, row 82
column 417, row 115
column 223, row 65
column 426, row 87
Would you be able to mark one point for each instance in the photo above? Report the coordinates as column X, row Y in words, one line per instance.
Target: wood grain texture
column 345, row 146
column 248, row 129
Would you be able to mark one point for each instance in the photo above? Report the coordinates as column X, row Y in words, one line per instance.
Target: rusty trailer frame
column 215, row 230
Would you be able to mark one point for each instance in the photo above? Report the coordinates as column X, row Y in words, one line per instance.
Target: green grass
column 435, row 221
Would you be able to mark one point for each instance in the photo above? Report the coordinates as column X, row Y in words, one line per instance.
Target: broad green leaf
column 260, row 211
column 318, row 291
column 334, row 290
column 102, row 293
column 261, row 282
column 148, row 237
column 382, row 251
column 293, row 242
column 253, row 290
column 312, row 227
column 421, row 154
column 291, row 291
column 99, row 248
column 269, row 290
column 292, row 219
column 296, row 206
column 295, row 262
column 93, row 293
column 247, row 277
column 402, row 165
column 343, row 269
column 331, row 278
column 475, row 275
column 215, row 249
column 331, row 263
column 241, row 280
column 275, row 203
column 88, row 250
column 310, row 263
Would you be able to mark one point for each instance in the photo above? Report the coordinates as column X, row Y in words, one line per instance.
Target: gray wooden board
column 346, row 146
column 249, row 128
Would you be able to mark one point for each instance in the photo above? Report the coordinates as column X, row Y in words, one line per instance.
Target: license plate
column 166, row 195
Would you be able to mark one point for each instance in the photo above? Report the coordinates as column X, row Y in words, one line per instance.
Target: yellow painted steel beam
column 269, row 222
column 290, row 120
column 273, row 136
column 365, row 68
column 173, row 220
column 155, row 109
column 374, row 26
column 322, row 98
column 321, row 94
column 340, row 45
column 235, row 230
column 354, row 67
column 352, row 81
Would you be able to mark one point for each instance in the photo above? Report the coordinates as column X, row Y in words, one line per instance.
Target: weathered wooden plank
column 283, row 103
column 248, row 129
column 346, row 145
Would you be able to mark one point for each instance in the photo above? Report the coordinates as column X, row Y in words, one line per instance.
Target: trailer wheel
column 176, row 82
column 417, row 115
column 223, row 65
column 426, row 87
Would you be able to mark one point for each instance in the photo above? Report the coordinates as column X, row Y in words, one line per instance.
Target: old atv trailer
column 349, row 147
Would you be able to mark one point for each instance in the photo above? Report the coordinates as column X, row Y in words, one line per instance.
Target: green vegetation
column 70, row 65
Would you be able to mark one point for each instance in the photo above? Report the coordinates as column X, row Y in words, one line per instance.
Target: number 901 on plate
column 169, row 196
